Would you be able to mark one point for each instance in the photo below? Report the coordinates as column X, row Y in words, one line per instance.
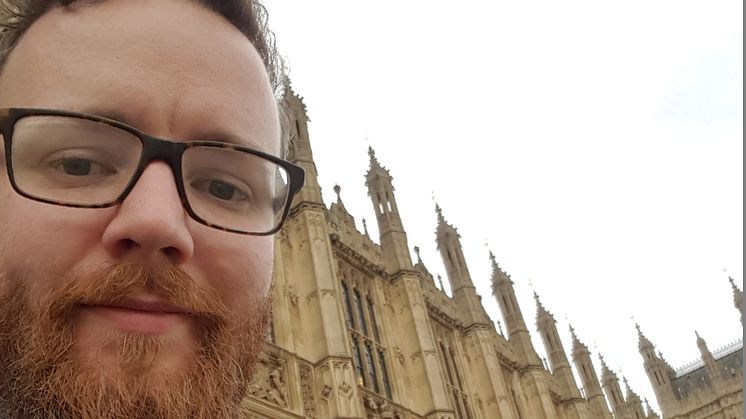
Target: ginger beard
column 42, row 376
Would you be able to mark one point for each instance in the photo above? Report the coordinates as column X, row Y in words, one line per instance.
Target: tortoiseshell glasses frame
column 277, row 193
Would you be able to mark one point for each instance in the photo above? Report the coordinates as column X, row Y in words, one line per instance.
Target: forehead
column 171, row 67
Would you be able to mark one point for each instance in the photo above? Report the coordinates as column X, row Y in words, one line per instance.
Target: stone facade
column 710, row 387
column 361, row 330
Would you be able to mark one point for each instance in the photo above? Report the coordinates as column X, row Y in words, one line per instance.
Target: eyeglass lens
column 76, row 161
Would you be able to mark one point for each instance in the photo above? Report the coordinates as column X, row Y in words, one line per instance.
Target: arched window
column 372, row 368
column 357, row 359
column 373, row 322
column 447, row 366
column 360, row 314
column 348, row 305
column 369, row 355
column 384, row 373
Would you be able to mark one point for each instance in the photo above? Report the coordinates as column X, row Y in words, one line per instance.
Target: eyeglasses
column 87, row 161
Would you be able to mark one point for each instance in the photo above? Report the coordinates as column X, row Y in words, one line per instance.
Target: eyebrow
column 207, row 135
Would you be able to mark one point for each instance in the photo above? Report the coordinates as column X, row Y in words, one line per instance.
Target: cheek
column 239, row 268
column 44, row 240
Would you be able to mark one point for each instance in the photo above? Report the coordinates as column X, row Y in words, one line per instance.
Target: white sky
column 596, row 146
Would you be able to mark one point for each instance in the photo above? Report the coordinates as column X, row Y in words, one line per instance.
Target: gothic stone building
column 710, row 387
column 361, row 331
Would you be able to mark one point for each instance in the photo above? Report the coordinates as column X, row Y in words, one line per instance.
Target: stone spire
column 546, row 325
column 518, row 336
column 464, row 293
column 449, row 245
column 581, row 357
column 707, row 358
column 393, row 238
column 634, row 403
column 737, row 297
column 300, row 152
column 651, row 414
column 657, row 369
column 643, row 343
column 610, row 383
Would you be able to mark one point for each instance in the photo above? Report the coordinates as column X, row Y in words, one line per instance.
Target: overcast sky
column 595, row 147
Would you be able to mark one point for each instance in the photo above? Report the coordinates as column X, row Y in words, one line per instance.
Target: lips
column 148, row 316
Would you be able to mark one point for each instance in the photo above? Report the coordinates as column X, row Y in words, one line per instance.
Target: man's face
column 172, row 69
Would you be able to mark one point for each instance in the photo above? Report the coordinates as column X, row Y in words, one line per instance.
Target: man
column 139, row 189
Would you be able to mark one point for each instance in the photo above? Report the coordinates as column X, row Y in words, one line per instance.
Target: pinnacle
column 373, row 159
column 439, row 211
column 365, row 227
column 440, row 282
column 605, row 371
column 417, row 252
column 498, row 275
column 577, row 345
column 540, row 309
column 337, row 190
column 643, row 341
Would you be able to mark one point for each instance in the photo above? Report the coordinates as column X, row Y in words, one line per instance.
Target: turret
column 518, row 336
column 449, row 245
column 737, row 298
column 634, row 403
column 547, row 328
column 299, row 151
column 392, row 235
column 462, row 287
column 707, row 358
column 581, row 357
column 657, row 369
column 651, row 414
column 610, row 383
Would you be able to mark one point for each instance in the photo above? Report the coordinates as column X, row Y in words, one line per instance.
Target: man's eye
column 222, row 190
column 80, row 166
column 76, row 167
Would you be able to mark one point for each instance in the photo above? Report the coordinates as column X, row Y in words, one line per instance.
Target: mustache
column 116, row 284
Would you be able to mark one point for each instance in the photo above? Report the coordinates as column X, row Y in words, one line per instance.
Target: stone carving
column 399, row 355
column 309, row 401
column 326, row 392
column 380, row 409
column 292, row 295
column 345, row 389
column 269, row 384
column 328, row 293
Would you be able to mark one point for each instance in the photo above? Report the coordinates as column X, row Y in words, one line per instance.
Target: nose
column 151, row 224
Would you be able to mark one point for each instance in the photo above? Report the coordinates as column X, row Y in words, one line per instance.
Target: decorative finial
column 697, row 334
column 602, row 359
column 365, row 226
column 440, row 281
column 337, row 190
column 373, row 159
column 493, row 260
column 500, row 328
column 733, row 283
column 417, row 252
